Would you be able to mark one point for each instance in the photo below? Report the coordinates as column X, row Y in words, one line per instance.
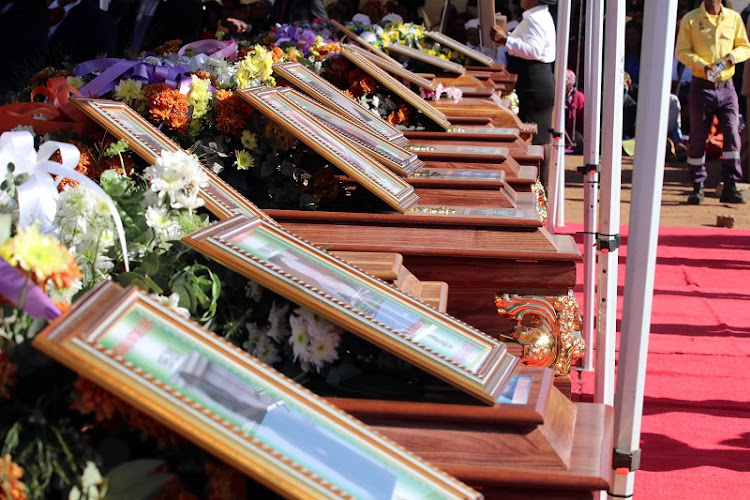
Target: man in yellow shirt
column 711, row 40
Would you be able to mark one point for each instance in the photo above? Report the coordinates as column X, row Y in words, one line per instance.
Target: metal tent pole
column 590, row 170
column 608, row 240
column 648, row 176
column 556, row 208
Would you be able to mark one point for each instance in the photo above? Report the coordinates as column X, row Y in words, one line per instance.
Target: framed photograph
column 232, row 405
column 395, row 68
column 319, row 89
column 396, row 158
column 332, row 146
column 356, row 38
column 435, row 342
column 420, row 55
column 459, row 47
column 147, row 141
column 399, row 88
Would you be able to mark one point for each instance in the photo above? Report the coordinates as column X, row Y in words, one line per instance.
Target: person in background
column 633, row 32
column 289, row 11
column 531, row 54
column 147, row 24
column 711, row 39
column 85, row 32
column 574, row 101
column 24, row 35
column 629, row 109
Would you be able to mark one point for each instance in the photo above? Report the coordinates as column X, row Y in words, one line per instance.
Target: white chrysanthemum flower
column 172, row 302
column 249, row 140
column 188, row 201
column 255, row 291
column 279, row 328
column 300, row 339
column 266, row 351
column 323, row 350
column 165, row 227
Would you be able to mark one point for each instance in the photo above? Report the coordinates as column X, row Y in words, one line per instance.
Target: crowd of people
column 38, row 33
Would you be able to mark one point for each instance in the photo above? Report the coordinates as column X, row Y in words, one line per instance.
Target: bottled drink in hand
column 715, row 71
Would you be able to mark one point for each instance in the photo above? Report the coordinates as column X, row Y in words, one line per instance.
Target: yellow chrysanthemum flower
column 198, row 96
column 244, row 160
column 249, row 140
column 75, row 81
column 41, row 255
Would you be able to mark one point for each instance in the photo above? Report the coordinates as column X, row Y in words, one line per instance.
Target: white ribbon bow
column 37, row 197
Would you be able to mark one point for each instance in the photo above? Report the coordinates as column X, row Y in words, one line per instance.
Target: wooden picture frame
column 399, row 88
column 332, row 146
column 148, row 142
column 231, row 404
column 420, row 55
column 396, row 158
column 435, row 342
column 321, row 90
column 395, row 68
column 459, row 47
column 356, row 38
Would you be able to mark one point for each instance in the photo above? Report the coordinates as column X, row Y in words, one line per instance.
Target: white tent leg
column 648, row 176
column 556, row 205
column 591, row 144
column 609, row 225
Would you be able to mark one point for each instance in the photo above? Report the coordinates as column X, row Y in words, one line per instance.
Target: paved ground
column 674, row 210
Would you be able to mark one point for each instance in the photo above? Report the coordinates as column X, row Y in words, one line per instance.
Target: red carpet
column 696, row 419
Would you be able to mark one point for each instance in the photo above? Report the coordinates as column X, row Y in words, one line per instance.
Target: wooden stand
column 545, row 447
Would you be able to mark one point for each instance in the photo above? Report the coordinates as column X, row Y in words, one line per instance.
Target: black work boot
column 696, row 197
column 730, row 194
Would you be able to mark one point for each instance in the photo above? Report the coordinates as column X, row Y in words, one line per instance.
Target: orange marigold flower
column 205, row 75
column 277, row 54
column 93, row 399
column 292, row 56
column 170, row 47
column 87, row 165
column 224, row 482
column 167, row 105
column 231, row 113
column 368, row 84
column 7, row 375
column 11, row 487
column 44, row 74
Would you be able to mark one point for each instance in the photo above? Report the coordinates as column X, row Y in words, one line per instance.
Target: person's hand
column 498, row 35
column 236, row 26
column 729, row 59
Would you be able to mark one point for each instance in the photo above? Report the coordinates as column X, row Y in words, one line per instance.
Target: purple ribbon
column 35, row 302
column 114, row 70
column 215, row 48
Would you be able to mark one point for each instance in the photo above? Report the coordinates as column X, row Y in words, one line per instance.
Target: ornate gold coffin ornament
column 541, row 200
column 548, row 329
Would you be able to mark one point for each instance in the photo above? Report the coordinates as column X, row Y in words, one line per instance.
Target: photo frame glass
column 367, row 172
column 461, row 48
column 148, row 142
column 319, row 89
column 447, row 348
column 420, row 55
column 395, row 157
column 215, row 394
column 397, row 87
